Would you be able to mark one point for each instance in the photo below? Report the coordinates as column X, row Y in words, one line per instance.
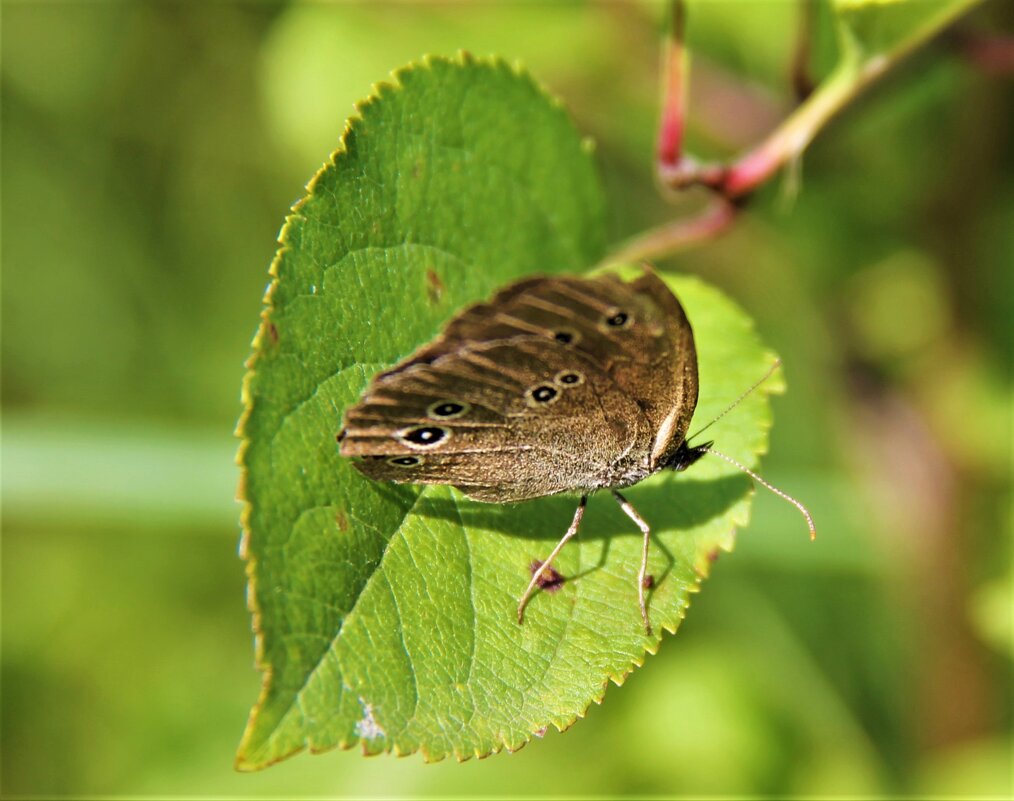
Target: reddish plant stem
column 674, row 168
column 679, row 234
column 670, row 129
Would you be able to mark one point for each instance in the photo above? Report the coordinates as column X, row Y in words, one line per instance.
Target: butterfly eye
column 405, row 461
column 618, row 320
column 447, row 410
column 568, row 378
column 541, row 394
column 424, row 436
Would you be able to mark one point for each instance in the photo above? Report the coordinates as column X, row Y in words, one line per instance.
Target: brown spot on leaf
column 649, row 581
column 434, row 286
column 550, row 580
column 273, row 333
column 342, row 521
column 541, row 732
column 713, row 554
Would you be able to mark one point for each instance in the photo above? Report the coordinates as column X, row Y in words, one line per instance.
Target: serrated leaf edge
column 378, row 90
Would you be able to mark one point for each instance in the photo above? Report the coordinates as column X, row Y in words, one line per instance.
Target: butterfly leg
column 578, row 514
column 642, row 574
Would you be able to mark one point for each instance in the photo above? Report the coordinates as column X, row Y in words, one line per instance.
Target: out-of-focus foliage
column 148, row 155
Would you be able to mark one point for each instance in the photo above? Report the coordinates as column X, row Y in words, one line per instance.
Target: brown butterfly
column 557, row 384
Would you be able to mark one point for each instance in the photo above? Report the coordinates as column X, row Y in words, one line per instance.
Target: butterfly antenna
column 775, row 490
column 739, row 400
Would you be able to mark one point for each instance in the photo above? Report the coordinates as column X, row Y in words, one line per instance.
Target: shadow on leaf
column 667, row 504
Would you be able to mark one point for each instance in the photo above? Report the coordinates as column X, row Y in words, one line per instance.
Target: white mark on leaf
column 368, row 726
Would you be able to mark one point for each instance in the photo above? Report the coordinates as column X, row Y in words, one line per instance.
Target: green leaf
column 885, row 30
column 385, row 615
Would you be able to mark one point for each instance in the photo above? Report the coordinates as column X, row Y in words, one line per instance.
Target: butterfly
column 556, row 384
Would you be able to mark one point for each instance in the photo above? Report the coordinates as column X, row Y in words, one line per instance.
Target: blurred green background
column 149, row 155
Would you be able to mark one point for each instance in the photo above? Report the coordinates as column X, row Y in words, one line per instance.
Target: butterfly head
column 685, row 455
